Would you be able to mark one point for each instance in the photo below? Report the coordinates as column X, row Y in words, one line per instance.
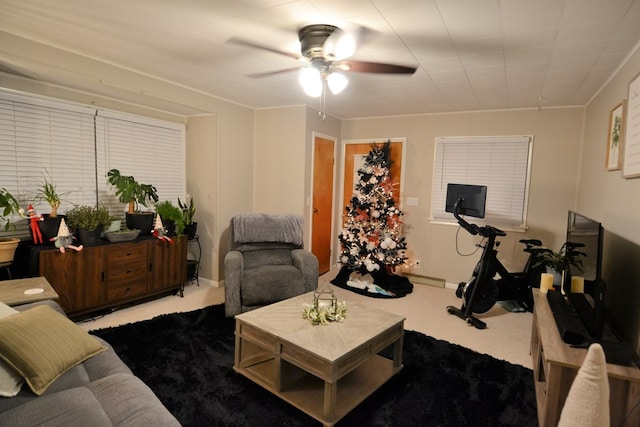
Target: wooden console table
column 556, row 363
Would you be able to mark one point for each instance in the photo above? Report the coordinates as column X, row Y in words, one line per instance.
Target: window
column 74, row 146
column 500, row 163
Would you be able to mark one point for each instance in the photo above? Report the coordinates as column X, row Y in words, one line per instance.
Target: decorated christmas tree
column 371, row 239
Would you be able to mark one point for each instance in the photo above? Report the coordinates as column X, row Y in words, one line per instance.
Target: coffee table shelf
column 325, row 371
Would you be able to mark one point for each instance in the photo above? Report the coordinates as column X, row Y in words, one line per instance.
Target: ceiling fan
column 326, row 49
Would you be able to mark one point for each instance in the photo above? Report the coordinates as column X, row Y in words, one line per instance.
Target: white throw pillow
column 587, row 403
column 10, row 381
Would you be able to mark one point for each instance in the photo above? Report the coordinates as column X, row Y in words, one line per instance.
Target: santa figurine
column 64, row 239
column 159, row 230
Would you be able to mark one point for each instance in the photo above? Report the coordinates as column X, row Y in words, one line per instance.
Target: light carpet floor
column 507, row 336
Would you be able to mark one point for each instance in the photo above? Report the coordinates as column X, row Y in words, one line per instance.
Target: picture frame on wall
column 615, row 139
column 631, row 162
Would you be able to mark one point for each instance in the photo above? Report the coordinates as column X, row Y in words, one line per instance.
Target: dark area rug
column 187, row 360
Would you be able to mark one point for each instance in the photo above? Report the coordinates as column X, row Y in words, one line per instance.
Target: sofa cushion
column 10, row 381
column 75, row 407
column 41, row 344
column 271, row 283
column 128, row 401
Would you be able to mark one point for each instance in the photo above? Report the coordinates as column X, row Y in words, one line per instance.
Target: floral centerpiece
column 325, row 308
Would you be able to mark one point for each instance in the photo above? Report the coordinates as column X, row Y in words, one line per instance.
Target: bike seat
column 531, row 242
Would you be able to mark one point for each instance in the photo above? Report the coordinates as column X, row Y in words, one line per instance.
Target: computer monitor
column 470, row 200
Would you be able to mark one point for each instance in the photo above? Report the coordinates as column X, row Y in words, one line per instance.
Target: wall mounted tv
column 472, row 199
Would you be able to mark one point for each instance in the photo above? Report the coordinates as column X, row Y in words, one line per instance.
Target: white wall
column 605, row 195
column 556, row 149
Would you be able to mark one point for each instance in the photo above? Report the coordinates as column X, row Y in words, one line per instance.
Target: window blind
column 500, row 163
column 44, row 139
column 151, row 151
column 74, row 146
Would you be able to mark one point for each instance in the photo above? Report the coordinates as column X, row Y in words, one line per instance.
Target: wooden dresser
column 112, row 274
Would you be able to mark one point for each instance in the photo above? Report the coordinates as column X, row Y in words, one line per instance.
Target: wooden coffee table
column 23, row 291
column 323, row 370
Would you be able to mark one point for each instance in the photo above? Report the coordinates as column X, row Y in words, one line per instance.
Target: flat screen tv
column 470, row 199
column 589, row 233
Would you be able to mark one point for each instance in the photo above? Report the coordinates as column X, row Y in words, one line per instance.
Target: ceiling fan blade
column 273, row 73
column 375, row 67
column 255, row 45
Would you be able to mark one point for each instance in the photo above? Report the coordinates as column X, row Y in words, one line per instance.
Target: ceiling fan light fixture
column 337, row 83
column 311, row 81
column 345, row 47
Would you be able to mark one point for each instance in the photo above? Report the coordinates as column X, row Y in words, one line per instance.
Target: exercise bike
column 482, row 291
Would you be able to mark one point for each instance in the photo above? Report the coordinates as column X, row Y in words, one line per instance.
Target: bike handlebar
column 485, row 231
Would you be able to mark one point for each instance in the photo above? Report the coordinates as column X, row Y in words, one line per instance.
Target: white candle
column 577, row 284
column 546, row 282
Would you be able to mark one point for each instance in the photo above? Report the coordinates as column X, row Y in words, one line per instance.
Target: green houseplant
column 88, row 222
column 50, row 222
column 188, row 209
column 134, row 194
column 560, row 262
column 8, row 206
column 172, row 217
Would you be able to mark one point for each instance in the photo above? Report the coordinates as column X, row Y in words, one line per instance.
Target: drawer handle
column 128, row 253
column 128, row 271
column 102, row 276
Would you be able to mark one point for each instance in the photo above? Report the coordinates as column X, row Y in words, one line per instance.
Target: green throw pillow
column 10, row 381
column 42, row 344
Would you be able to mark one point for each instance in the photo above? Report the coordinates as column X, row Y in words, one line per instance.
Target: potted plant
column 50, row 222
column 560, row 262
column 134, row 194
column 8, row 206
column 171, row 216
column 88, row 223
column 188, row 211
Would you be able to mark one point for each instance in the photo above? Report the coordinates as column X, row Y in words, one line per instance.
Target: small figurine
column 159, row 231
column 64, row 239
column 34, row 224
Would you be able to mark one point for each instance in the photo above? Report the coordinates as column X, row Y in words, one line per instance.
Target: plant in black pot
column 134, row 194
column 50, row 222
column 88, row 223
column 171, row 217
column 8, row 206
column 188, row 209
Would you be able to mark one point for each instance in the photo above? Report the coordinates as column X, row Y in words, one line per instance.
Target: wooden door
column 321, row 238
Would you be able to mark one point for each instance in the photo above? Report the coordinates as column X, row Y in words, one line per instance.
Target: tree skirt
column 375, row 284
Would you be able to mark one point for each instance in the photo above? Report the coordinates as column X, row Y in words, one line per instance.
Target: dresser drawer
column 125, row 290
column 127, row 264
column 127, row 253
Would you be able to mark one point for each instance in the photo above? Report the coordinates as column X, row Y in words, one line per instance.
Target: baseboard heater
column 419, row 279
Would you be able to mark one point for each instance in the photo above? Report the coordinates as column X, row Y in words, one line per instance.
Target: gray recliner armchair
column 266, row 262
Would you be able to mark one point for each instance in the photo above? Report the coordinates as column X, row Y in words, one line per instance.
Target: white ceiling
column 471, row 54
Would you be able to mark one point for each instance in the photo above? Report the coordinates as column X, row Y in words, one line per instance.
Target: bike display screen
column 470, row 199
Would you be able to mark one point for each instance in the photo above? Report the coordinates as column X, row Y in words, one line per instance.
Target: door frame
column 314, row 135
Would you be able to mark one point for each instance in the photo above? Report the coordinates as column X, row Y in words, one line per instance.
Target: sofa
column 266, row 262
column 99, row 391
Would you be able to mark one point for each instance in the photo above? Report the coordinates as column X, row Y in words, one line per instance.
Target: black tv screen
column 471, row 199
column 588, row 232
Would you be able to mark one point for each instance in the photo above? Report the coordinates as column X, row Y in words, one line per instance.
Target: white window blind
column 500, row 163
column 75, row 146
column 151, row 151
column 41, row 139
